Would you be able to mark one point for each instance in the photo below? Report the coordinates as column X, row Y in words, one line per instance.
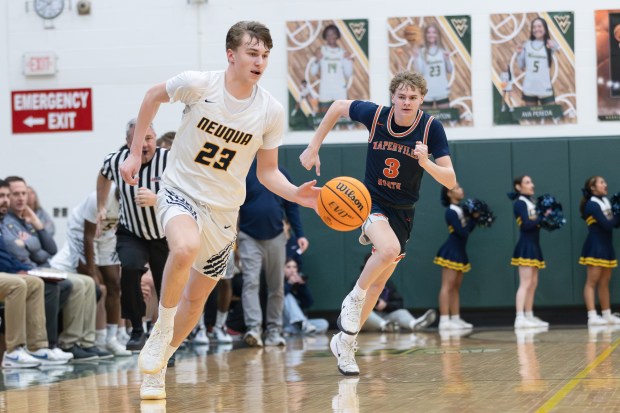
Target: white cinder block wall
column 124, row 46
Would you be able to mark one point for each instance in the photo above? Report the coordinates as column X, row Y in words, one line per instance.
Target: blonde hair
column 408, row 78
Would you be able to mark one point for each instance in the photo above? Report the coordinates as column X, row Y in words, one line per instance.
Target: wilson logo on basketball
column 344, row 203
column 350, row 193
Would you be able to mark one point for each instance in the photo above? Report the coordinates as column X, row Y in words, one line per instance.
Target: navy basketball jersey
column 393, row 174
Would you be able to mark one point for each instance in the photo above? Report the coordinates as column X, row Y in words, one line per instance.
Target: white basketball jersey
column 87, row 211
column 214, row 148
column 537, row 79
column 433, row 67
column 333, row 84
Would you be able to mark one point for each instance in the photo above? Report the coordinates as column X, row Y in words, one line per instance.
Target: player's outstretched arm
column 310, row 156
column 150, row 105
column 441, row 170
column 269, row 175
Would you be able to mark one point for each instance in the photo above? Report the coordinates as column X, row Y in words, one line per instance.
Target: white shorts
column 105, row 252
column 72, row 253
column 218, row 229
column 230, row 267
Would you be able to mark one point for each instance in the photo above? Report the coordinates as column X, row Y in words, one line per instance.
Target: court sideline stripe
column 568, row 387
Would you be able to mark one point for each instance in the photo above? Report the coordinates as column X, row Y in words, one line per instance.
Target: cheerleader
column 452, row 257
column 527, row 254
column 598, row 251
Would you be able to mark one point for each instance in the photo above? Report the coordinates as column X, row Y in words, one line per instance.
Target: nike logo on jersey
column 209, row 101
column 226, row 226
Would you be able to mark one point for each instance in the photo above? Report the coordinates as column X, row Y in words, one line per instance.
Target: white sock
column 606, row 313
column 166, row 316
column 592, row 314
column 220, row 318
column 100, row 336
column 455, row 317
column 520, row 314
column 358, row 293
column 444, row 318
column 349, row 339
column 169, row 352
column 111, row 330
column 529, row 314
column 201, row 321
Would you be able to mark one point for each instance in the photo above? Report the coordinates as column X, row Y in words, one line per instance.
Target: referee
column 139, row 237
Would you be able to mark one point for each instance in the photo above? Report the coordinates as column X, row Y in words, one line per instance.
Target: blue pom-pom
column 484, row 216
column 554, row 218
column 615, row 203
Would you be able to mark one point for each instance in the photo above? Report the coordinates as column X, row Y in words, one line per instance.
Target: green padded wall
column 485, row 169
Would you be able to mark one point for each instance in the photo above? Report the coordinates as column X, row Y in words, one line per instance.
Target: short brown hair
column 257, row 31
column 14, row 178
column 410, row 79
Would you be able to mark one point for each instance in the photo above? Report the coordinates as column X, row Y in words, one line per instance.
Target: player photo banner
column 533, row 70
column 607, row 23
column 440, row 48
column 327, row 61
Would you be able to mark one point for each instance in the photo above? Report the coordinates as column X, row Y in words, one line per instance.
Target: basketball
column 413, row 34
column 344, row 203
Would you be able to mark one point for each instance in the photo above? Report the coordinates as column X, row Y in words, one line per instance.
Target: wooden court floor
column 486, row 370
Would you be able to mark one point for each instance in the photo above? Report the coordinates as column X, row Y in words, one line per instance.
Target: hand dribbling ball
column 344, row 203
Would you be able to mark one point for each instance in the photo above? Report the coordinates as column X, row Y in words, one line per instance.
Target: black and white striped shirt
column 140, row 221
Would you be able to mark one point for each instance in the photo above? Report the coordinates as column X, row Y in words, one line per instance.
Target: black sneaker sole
column 134, row 347
column 343, row 330
column 350, row 373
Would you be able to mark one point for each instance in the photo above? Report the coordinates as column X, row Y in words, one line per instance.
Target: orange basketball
column 344, row 203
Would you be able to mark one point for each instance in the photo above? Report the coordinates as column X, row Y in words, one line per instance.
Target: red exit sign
column 39, row 64
column 61, row 110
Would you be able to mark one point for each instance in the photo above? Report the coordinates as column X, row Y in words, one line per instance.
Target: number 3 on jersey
column 392, row 168
column 209, row 152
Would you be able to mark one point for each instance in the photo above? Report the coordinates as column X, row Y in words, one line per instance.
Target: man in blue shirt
column 262, row 244
column 30, row 304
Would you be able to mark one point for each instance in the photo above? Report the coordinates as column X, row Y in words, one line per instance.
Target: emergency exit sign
column 61, row 110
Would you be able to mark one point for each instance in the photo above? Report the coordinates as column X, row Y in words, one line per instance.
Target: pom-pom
column 551, row 211
column 615, row 204
column 479, row 211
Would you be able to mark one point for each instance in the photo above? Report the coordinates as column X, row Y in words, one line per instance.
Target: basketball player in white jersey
column 91, row 249
column 334, row 67
column 228, row 120
column 534, row 58
column 433, row 62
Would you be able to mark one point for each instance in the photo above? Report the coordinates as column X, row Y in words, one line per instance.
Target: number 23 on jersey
column 210, row 151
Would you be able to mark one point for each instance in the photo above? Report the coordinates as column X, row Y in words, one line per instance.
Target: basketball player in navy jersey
column 401, row 139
